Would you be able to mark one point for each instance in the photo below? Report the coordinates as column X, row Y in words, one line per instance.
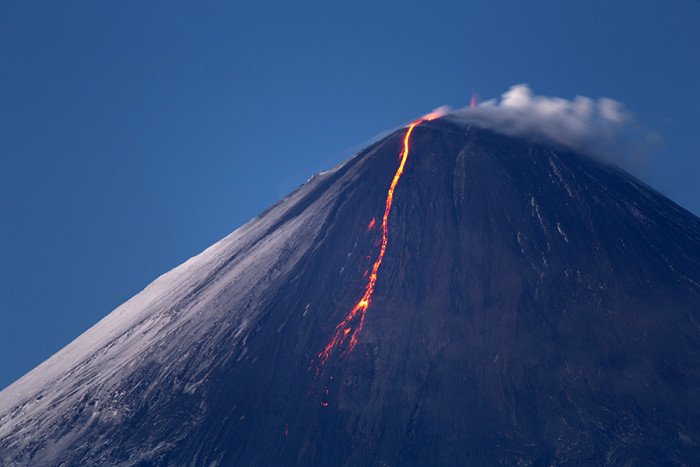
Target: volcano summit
column 532, row 306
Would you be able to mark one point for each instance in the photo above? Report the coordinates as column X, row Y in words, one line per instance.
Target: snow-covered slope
column 212, row 294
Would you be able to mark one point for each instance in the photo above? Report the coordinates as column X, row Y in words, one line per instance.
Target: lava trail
column 350, row 327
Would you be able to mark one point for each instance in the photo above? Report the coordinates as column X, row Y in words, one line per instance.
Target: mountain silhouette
column 533, row 306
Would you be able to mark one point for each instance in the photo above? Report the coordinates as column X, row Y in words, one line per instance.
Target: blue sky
column 135, row 134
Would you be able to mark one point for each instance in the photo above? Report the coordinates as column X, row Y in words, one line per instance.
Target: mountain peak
column 532, row 305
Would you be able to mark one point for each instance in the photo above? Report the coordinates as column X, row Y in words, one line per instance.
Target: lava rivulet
column 350, row 327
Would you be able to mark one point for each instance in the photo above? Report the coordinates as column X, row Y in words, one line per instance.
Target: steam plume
column 602, row 128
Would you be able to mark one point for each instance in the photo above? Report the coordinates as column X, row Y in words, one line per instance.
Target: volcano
column 532, row 306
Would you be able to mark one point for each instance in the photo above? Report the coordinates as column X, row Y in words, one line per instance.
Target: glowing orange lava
column 355, row 319
column 371, row 224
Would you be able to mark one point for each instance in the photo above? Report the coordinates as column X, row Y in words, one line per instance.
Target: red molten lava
column 371, row 224
column 350, row 327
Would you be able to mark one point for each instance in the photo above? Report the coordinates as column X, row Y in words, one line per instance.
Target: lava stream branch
column 350, row 327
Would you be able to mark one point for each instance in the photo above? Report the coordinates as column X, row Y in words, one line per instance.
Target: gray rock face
column 534, row 307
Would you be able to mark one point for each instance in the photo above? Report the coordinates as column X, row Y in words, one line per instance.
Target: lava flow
column 355, row 319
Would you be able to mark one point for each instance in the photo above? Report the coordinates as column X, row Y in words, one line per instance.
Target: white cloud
column 602, row 128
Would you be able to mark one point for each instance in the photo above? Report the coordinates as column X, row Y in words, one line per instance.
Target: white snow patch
column 562, row 233
column 557, row 174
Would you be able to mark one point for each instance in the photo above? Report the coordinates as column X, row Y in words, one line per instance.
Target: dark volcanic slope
column 534, row 306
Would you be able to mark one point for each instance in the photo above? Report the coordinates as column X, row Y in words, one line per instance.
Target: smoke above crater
column 602, row 127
